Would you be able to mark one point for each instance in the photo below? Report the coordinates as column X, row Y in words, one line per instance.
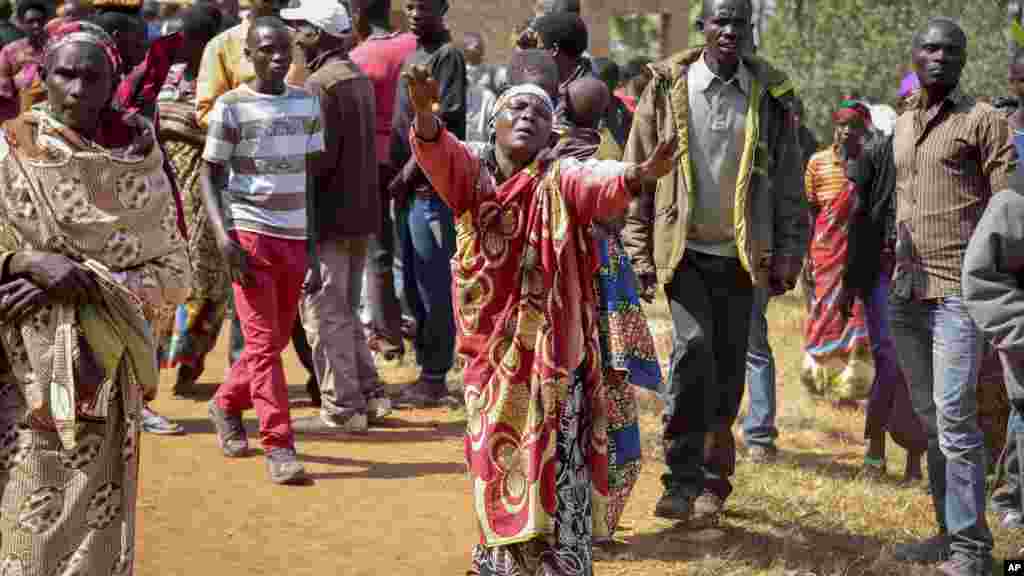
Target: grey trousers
column 341, row 357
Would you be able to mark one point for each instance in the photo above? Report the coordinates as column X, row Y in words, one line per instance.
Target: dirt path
column 397, row 502
column 393, row 502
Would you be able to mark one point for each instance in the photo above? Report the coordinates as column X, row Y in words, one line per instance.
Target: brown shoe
column 707, row 509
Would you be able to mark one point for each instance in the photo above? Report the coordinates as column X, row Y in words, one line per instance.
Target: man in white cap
column 346, row 205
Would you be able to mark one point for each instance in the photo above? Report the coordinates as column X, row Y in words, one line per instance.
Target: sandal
column 874, row 468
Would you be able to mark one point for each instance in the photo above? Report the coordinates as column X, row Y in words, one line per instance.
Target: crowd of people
column 308, row 175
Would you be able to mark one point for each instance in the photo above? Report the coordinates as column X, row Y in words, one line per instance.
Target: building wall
column 496, row 19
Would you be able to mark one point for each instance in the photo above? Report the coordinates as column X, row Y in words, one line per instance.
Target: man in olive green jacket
column 729, row 218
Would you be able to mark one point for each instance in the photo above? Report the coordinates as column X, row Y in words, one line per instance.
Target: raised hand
column 663, row 160
column 424, row 91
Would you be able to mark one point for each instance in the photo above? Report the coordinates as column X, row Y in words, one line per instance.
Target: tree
column 837, row 48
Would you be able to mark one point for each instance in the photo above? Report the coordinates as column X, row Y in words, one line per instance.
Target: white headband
column 523, row 90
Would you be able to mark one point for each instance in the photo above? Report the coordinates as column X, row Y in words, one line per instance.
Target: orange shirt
column 825, row 177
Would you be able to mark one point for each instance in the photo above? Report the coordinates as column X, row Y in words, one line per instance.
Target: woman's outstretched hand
column 424, row 91
column 661, row 162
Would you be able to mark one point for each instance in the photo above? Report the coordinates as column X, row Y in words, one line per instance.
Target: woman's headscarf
column 85, row 33
column 522, row 90
column 852, row 110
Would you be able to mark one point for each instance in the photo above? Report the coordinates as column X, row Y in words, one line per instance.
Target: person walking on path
column 866, row 275
column 730, row 216
column 222, row 68
column 91, row 248
column 426, row 226
column 347, row 200
column 380, row 57
column 759, row 430
column 837, row 361
column 22, row 60
column 259, row 220
column 951, row 153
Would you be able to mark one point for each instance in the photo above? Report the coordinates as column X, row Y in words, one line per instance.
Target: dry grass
column 811, row 513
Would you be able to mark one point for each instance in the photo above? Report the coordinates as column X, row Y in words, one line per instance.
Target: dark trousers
column 428, row 244
column 710, row 298
column 385, row 307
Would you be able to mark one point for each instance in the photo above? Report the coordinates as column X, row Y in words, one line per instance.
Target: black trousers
column 710, row 298
column 385, row 305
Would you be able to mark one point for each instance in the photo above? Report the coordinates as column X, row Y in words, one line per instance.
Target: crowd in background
column 302, row 173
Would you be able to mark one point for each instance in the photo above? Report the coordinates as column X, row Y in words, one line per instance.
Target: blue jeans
column 1010, row 496
column 428, row 244
column 939, row 349
column 759, row 425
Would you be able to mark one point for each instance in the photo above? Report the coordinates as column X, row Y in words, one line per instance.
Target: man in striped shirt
column 951, row 154
column 263, row 136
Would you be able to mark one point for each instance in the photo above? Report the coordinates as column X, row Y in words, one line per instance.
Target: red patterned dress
column 525, row 304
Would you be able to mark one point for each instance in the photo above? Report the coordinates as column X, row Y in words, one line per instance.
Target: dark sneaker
column 675, row 504
column 762, row 453
column 707, row 509
column 153, row 423
column 284, row 467
column 230, row 431
column 960, row 565
column 930, row 551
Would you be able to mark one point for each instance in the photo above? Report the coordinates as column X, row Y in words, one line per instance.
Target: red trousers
column 267, row 309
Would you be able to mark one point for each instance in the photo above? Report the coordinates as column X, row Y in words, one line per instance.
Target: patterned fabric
column 525, row 312
column 195, row 325
column 81, row 518
column 71, row 403
column 567, row 551
column 265, row 140
column 629, row 359
column 80, row 31
column 838, row 363
column 950, row 159
column 20, row 63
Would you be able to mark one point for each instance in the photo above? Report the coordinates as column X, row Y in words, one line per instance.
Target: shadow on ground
column 392, row 429
column 800, row 549
column 371, row 470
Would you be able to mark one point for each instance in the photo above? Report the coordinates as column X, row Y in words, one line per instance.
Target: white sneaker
column 356, row 423
column 378, row 408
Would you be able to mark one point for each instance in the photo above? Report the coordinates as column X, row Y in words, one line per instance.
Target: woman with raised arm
column 525, row 315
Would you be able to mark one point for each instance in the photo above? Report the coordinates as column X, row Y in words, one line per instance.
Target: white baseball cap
column 328, row 15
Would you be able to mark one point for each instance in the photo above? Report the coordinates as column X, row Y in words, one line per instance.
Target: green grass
column 810, row 513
